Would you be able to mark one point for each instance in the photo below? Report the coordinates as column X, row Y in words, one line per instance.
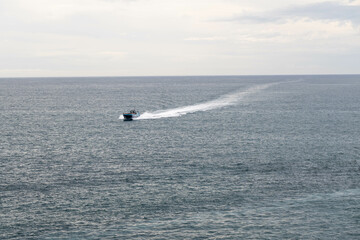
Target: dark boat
column 131, row 115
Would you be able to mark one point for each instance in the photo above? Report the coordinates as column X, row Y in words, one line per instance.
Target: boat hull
column 130, row 116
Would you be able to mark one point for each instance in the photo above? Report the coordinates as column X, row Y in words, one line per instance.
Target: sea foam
column 223, row 101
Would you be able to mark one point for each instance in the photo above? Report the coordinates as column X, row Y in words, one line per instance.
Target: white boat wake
column 226, row 100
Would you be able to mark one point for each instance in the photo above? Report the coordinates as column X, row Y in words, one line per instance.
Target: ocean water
column 216, row 157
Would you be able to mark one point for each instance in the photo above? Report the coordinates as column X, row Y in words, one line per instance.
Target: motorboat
column 131, row 115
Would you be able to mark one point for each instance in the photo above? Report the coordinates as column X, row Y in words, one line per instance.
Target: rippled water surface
column 266, row 157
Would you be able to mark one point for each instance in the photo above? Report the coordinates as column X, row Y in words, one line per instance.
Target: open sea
column 212, row 157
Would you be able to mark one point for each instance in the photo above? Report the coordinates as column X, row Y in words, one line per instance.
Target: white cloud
column 206, row 39
column 168, row 37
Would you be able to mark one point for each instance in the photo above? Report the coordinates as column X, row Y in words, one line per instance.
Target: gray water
column 237, row 157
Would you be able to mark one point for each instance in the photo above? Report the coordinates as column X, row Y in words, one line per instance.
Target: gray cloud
column 330, row 11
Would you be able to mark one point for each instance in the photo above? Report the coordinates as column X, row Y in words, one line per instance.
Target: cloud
column 157, row 37
column 326, row 11
column 206, row 39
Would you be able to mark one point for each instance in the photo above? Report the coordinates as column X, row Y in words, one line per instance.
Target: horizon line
column 216, row 75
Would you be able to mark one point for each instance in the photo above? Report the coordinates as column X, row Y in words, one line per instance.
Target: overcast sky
column 40, row 38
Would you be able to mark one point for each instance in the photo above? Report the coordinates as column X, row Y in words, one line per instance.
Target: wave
column 223, row 101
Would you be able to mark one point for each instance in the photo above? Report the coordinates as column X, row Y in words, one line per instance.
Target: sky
column 68, row 38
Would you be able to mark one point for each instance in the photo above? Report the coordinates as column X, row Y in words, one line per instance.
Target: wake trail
column 226, row 100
